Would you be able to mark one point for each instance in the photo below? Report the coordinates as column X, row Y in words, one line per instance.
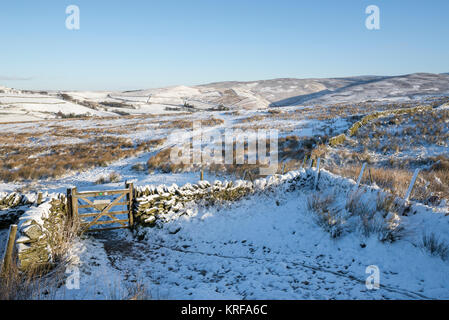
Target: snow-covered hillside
column 17, row 105
column 286, row 239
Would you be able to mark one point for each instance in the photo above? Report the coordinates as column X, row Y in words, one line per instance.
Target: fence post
column 370, row 176
column 412, row 183
column 130, row 199
column 317, row 172
column 310, row 162
column 202, row 175
column 361, row 174
column 303, row 162
column 7, row 258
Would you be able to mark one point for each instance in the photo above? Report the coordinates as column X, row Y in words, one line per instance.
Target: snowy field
column 265, row 247
column 17, row 105
column 270, row 245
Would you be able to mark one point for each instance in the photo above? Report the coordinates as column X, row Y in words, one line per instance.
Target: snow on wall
column 36, row 228
column 167, row 202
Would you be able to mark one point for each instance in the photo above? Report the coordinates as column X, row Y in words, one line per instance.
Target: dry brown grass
column 394, row 181
column 18, row 285
column 41, row 281
column 188, row 124
column 291, row 152
column 39, row 162
column 326, row 216
column 61, row 231
column 402, row 132
column 397, row 181
column 388, row 144
column 255, row 118
column 379, row 220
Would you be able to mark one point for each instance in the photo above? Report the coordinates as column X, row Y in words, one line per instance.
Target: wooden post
column 283, row 167
column 361, row 174
column 202, row 175
column 317, row 172
column 74, row 202
column 412, row 183
column 69, row 204
column 370, row 176
column 130, row 199
column 7, row 258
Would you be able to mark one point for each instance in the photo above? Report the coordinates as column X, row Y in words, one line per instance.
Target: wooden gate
column 101, row 210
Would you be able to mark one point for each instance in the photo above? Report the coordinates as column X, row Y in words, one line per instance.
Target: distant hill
column 286, row 92
column 262, row 94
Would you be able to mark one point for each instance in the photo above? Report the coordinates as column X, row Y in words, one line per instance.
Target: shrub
column 435, row 246
column 114, row 177
column 139, row 167
column 379, row 220
column 326, row 217
column 101, row 180
column 356, row 206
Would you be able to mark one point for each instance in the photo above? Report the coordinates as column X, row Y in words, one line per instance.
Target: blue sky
column 134, row 44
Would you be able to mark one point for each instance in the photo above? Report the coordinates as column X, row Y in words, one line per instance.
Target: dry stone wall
column 40, row 233
column 13, row 205
column 162, row 203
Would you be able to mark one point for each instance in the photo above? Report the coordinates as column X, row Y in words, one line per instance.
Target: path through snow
column 265, row 247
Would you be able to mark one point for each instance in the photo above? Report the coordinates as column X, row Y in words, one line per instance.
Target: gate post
column 69, row 204
column 74, row 202
column 130, row 199
column 7, row 259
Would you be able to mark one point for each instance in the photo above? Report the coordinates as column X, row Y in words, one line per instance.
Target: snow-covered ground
column 268, row 246
column 16, row 105
column 141, row 129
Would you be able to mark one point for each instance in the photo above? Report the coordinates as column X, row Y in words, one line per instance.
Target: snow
column 268, row 246
column 26, row 107
column 265, row 247
column 444, row 107
column 238, row 95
